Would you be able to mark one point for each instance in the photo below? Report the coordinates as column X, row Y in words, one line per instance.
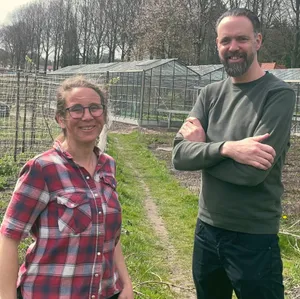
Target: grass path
column 179, row 280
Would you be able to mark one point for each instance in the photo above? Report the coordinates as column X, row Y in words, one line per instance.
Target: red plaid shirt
column 75, row 221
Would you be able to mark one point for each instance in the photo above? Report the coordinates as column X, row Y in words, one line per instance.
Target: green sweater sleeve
column 191, row 156
column 276, row 120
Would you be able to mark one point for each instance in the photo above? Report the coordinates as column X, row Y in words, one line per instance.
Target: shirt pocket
column 74, row 213
column 110, row 193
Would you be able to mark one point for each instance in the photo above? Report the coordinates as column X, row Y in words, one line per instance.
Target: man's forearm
column 250, row 151
column 190, row 156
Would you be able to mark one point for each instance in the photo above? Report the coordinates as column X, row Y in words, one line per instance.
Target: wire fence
column 28, row 104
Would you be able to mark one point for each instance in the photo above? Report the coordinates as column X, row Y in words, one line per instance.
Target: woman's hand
column 127, row 292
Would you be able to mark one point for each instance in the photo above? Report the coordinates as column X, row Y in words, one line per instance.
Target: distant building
column 272, row 66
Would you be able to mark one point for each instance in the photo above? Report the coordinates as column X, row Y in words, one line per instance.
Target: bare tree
column 99, row 24
column 85, row 38
column 46, row 34
column 296, row 25
column 129, row 10
column 112, row 29
column 70, row 50
column 79, row 31
column 36, row 15
column 159, row 29
column 16, row 42
column 4, row 56
column 57, row 15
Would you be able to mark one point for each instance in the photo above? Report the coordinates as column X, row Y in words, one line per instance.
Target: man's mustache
column 235, row 54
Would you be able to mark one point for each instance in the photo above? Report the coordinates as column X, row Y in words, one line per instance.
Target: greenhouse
column 143, row 91
column 291, row 76
column 209, row 73
column 159, row 91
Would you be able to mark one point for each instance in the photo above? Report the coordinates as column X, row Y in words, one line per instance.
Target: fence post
column 33, row 118
column 142, row 98
column 25, row 114
column 17, row 116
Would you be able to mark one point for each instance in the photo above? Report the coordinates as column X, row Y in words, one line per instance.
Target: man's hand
column 192, row 130
column 250, row 151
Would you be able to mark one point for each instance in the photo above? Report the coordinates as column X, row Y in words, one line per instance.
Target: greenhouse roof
column 131, row 66
column 206, row 68
column 210, row 72
column 286, row 74
column 214, row 71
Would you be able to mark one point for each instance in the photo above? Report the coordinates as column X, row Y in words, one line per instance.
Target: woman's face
column 82, row 127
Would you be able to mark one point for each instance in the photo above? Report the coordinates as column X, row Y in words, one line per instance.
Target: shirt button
column 96, row 275
column 93, row 296
column 99, row 212
column 98, row 253
column 95, row 194
column 87, row 177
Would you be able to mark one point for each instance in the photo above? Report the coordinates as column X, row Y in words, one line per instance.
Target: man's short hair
column 241, row 12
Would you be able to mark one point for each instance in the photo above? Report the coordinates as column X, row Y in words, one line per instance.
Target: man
column 238, row 134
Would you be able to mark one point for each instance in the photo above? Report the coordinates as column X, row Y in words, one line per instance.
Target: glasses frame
column 83, row 110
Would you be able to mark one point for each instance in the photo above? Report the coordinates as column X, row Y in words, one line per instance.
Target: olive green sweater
column 236, row 196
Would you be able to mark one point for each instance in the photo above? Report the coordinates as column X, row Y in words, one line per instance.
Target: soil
column 291, row 180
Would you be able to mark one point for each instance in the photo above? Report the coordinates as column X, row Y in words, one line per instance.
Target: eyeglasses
column 77, row 111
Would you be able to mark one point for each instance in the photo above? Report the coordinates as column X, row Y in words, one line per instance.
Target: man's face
column 237, row 44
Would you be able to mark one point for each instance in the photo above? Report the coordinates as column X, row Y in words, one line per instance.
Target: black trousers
column 249, row 264
column 19, row 295
column 116, row 296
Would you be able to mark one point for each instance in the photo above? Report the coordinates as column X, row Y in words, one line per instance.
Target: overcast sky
column 8, row 6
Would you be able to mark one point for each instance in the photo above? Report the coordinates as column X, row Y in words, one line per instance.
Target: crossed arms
column 243, row 162
column 249, row 151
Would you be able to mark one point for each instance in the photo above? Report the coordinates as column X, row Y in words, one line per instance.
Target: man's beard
column 237, row 69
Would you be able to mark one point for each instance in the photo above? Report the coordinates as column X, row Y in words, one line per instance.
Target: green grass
column 290, row 250
column 145, row 257
column 8, row 128
column 179, row 207
column 8, row 171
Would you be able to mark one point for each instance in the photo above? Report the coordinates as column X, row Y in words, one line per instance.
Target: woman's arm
column 8, row 267
column 127, row 292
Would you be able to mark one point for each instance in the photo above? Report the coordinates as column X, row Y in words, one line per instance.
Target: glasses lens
column 96, row 110
column 76, row 111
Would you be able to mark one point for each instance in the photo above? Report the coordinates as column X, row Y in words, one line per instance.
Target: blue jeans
column 249, row 264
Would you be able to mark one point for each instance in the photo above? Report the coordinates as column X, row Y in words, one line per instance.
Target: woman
column 66, row 199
